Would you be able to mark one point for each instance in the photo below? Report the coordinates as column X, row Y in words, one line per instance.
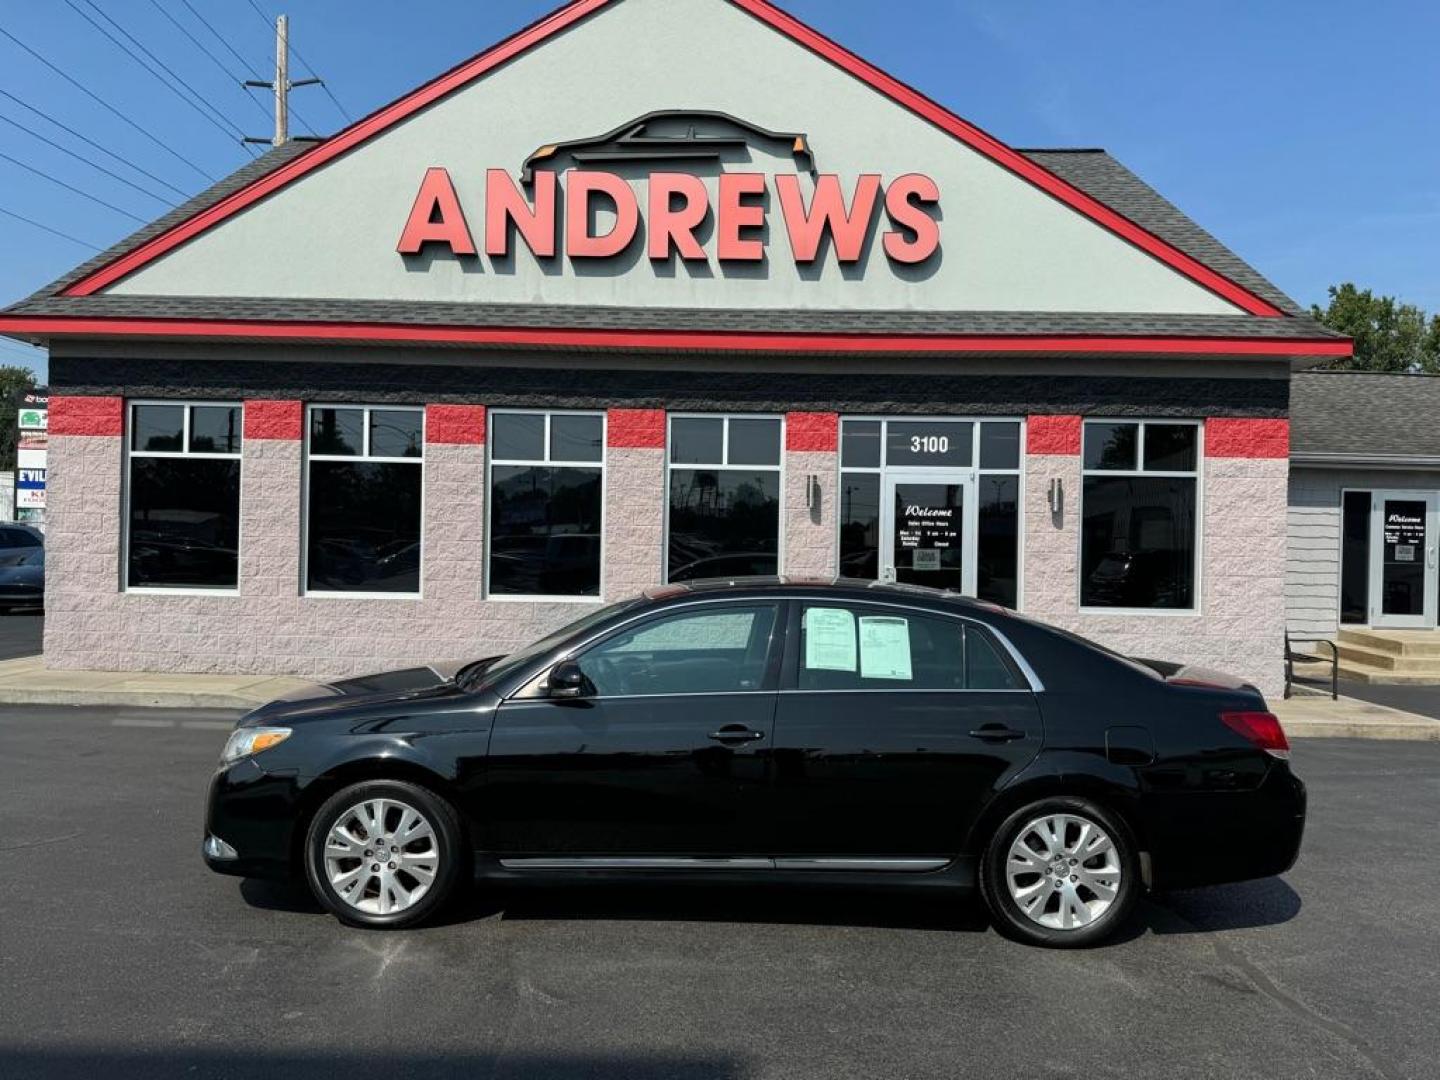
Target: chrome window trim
column 1037, row 686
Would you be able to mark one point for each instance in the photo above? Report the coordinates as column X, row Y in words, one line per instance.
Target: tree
column 14, row 383
column 1389, row 335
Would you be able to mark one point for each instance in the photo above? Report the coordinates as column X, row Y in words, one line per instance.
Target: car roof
column 836, row 587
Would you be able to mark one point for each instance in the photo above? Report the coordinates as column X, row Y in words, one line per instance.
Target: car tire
column 384, row 854
column 1077, row 886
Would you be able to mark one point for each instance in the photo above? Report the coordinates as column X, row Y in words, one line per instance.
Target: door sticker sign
column 829, row 639
column 884, row 647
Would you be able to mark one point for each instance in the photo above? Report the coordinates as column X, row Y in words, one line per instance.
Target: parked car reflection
column 22, row 566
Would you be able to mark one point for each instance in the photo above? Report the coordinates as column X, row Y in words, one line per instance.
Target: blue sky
column 1304, row 133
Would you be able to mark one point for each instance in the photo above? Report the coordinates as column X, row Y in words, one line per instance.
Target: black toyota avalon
column 835, row 733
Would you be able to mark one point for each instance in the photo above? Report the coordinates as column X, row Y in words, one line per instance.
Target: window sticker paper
column 830, row 639
column 884, row 647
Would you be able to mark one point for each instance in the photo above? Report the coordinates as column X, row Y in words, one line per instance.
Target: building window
column 724, row 509
column 183, row 496
column 1139, row 515
column 991, row 448
column 362, row 526
column 1355, row 558
column 545, row 503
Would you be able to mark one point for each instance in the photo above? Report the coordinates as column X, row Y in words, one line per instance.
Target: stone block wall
column 811, row 524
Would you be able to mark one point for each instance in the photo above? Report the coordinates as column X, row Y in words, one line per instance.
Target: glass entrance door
column 927, row 529
column 1403, row 558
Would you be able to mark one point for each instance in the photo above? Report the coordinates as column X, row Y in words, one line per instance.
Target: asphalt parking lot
column 21, row 632
column 123, row 957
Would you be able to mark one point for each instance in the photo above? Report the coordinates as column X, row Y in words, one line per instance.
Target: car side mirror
column 567, row 681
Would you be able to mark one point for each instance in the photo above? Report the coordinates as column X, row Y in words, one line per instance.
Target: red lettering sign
column 677, row 206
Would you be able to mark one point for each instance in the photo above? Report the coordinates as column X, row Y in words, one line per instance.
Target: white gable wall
column 1005, row 245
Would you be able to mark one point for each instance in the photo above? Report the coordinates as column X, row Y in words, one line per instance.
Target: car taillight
column 1261, row 728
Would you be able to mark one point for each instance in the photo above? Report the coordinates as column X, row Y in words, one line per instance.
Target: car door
column 665, row 753
column 894, row 726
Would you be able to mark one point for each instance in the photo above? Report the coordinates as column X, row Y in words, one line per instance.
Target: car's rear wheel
column 384, row 854
column 1062, row 872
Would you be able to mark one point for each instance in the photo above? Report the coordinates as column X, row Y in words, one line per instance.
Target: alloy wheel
column 381, row 856
column 1063, row 871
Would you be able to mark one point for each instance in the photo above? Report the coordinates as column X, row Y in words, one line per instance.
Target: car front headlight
column 244, row 742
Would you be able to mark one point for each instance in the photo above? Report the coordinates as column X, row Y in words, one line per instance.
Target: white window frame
column 1197, row 474
column 362, row 458
column 184, row 452
column 778, row 469
column 980, row 474
column 491, row 461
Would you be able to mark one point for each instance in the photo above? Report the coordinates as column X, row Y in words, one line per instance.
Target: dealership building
column 659, row 290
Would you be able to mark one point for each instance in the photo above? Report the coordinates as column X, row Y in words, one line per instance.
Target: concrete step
column 1397, row 662
column 1398, row 642
column 1372, row 673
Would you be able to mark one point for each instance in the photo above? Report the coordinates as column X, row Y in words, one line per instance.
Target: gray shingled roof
column 1093, row 171
column 1364, row 416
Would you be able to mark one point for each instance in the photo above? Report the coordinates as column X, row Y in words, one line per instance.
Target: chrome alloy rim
column 1063, row 871
column 381, row 856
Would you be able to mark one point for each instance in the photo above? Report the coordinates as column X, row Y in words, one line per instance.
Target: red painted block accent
column 812, row 431
column 456, row 425
column 636, row 429
column 87, row 416
column 269, row 419
column 1225, row 437
column 1053, row 435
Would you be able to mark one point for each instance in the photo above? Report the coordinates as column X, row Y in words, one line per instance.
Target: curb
column 1363, row 729
column 189, row 699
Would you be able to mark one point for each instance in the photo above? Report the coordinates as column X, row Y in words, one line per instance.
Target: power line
column 223, row 40
column 71, row 187
column 96, row 97
column 323, row 86
column 199, row 108
column 91, row 142
column 47, row 228
column 238, row 79
column 82, row 158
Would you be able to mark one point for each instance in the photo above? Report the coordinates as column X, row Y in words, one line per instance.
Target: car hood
column 386, row 687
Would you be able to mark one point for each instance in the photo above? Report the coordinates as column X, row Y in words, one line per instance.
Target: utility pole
column 282, row 86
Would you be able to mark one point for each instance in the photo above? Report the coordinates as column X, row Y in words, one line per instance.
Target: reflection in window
column 1138, row 529
column 708, row 652
column 545, row 512
column 183, row 524
column 724, row 517
column 860, row 525
column 997, row 573
column 363, row 500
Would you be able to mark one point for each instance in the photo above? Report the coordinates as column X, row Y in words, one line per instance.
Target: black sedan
column 841, row 733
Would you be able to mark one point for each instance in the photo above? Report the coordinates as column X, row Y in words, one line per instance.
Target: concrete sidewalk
column 1349, row 718
column 26, row 681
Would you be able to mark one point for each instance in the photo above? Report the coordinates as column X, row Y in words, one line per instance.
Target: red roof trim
column 786, row 24
column 701, row 340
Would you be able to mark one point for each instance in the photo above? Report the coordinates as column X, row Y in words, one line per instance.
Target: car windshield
column 491, row 670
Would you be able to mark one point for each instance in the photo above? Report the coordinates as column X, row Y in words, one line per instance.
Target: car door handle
column 996, row 733
column 736, row 734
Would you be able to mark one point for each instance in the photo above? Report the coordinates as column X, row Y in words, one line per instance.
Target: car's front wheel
column 384, row 854
column 1062, row 872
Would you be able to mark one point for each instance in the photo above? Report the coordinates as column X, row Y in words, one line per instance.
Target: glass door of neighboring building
column 927, row 528
column 1403, row 538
